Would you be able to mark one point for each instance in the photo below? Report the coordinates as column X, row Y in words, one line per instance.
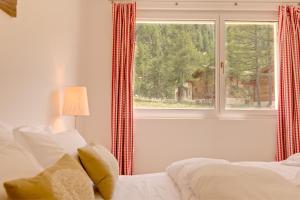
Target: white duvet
column 213, row 179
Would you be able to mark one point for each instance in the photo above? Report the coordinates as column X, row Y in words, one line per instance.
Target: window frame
column 218, row 111
column 253, row 17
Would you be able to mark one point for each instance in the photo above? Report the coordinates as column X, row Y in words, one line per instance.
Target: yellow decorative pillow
column 101, row 166
column 66, row 180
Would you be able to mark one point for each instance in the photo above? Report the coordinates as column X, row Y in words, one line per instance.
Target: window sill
column 204, row 114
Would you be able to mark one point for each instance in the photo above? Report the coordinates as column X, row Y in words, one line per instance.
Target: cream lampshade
column 76, row 101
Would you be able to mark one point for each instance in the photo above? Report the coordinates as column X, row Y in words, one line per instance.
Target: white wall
column 39, row 55
column 158, row 142
column 95, row 71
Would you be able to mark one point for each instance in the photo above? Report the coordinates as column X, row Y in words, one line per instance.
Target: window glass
column 250, row 65
column 175, row 65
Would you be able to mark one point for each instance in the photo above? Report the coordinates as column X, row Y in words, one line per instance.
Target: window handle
column 222, row 66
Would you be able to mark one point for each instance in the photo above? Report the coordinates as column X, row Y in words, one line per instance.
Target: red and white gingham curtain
column 288, row 134
column 124, row 19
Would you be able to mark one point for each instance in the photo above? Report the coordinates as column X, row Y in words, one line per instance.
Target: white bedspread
column 160, row 186
column 157, row 186
column 203, row 177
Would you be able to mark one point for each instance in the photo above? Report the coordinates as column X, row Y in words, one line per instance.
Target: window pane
column 175, row 65
column 249, row 65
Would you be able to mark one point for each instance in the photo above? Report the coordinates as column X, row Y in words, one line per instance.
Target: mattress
column 156, row 186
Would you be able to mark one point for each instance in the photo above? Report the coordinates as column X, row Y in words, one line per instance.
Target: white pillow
column 70, row 141
column 16, row 162
column 293, row 160
column 6, row 132
column 49, row 148
column 41, row 129
column 42, row 146
column 5, row 127
column 5, row 138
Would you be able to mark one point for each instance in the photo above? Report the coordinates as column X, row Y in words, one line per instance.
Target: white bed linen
column 291, row 173
column 15, row 162
column 156, row 186
column 183, row 171
column 159, row 186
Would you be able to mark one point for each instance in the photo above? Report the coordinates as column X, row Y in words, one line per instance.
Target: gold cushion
column 66, row 180
column 101, row 166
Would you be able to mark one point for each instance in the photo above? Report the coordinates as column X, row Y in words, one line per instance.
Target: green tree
column 168, row 54
column 249, row 49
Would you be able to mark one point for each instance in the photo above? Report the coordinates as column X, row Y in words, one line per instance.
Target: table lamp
column 75, row 102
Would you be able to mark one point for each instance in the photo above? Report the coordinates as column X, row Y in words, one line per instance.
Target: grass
column 141, row 103
column 148, row 103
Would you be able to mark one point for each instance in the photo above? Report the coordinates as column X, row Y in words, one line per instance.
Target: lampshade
column 76, row 101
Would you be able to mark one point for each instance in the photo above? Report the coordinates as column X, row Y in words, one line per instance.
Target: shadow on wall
column 55, row 109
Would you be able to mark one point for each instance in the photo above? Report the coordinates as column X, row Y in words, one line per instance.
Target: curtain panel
column 124, row 20
column 288, row 134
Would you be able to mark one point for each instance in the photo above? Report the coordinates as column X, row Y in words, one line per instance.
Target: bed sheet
column 156, row 186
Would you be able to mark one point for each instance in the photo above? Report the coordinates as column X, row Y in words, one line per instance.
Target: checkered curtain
column 288, row 134
column 124, row 19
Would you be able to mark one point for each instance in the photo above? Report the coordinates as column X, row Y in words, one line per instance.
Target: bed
column 159, row 186
column 181, row 180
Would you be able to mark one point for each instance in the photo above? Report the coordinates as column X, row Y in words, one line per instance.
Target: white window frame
column 218, row 111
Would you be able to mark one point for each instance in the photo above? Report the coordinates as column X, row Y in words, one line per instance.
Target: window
column 220, row 64
column 175, row 65
column 249, row 65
